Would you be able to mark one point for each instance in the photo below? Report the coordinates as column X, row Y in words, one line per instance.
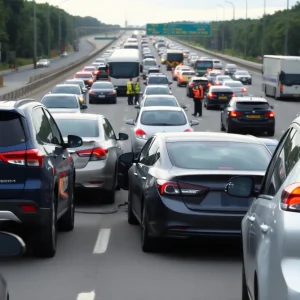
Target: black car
column 248, row 114
column 102, row 73
column 218, row 96
column 172, row 195
column 36, row 174
column 230, row 69
column 243, row 76
column 148, row 55
column 102, row 91
column 157, row 79
column 195, row 81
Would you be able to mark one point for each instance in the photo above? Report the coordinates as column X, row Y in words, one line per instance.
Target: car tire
column 111, row 195
column 46, row 239
column 222, row 128
column 147, row 242
column 66, row 223
column 245, row 295
column 114, row 101
column 131, row 218
column 229, row 129
column 271, row 132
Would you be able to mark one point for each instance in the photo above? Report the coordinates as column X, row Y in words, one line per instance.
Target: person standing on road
column 137, row 90
column 198, row 95
column 130, row 91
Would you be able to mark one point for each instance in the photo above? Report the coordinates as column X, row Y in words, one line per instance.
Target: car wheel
column 222, row 128
column 245, row 295
column 90, row 101
column 131, row 219
column 229, row 129
column 112, row 193
column 66, row 223
column 46, row 239
column 271, row 132
column 147, row 242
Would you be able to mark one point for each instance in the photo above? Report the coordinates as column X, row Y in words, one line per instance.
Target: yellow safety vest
column 137, row 87
column 129, row 88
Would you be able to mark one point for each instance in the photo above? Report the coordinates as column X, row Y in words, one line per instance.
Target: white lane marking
column 123, row 129
column 86, row 296
column 102, row 241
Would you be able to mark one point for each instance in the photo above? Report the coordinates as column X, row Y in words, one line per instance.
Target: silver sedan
column 237, row 87
column 96, row 160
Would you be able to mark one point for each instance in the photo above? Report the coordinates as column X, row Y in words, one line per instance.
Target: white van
column 281, row 76
column 122, row 65
column 131, row 46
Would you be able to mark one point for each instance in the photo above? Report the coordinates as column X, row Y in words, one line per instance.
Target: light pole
column 49, row 46
column 59, row 23
column 263, row 31
column 233, row 18
column 223, row 29
column 245, row 29
column 286, row 28
column 34, row 35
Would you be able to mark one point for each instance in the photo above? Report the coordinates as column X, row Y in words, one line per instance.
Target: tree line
column 245, row 38
column 55, row 29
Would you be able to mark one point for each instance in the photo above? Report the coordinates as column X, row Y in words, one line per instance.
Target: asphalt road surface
column 102, row 259
column 16, row 79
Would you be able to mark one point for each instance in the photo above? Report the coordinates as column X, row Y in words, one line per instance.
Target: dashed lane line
column 102, row 241
column 86, row 296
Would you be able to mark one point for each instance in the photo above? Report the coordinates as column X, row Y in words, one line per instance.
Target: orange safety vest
column 198, row 92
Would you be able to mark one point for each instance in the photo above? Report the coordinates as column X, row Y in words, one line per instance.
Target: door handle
column 144, row 178
column 135, row 174
column 251, row 218
column 63, row 157
column 264, row 228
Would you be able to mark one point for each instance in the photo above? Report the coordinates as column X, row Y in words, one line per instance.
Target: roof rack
column 23, row 101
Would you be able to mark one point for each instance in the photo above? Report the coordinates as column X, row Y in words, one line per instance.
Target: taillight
column 141, row 134
column 173, row 188
column 188, row 130
column 96, row 72
column 211, row 95
column 91, row 92
column 217, row 83
column 270, row 114
column 244, row 90
column 30, row 158
column 112, row 92
column 90, row 80
column 232, row 95
column 93, row 154
column 290, row 197
column 28, row 208
column 208, row 85
column 181, row 77
column 191, row 85
column 281, row 88
column 235, row 114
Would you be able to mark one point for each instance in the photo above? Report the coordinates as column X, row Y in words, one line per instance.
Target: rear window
column 66, row 90
column 83, row 75
column 234, row 84
column 149, row 63
column 213, row 74
column 161, row 102
column 80, row 83
column 60, row 102
column 198, row 81
column 242, row 73
column 11, row 130
column 158, row 80
column 102, row 85
column 231, row 66
column 252, row 105
column 157, row 91
column 92, row 69
column 217, row 61
column 79, row 127
column 163, row 118
column 219, row 156
column 188, row 73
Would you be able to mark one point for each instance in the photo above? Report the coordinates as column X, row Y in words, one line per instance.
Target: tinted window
column 60, row 102
column 151, row 155
column 200, row 81
column 108, row 130
column 153, row 71
column 144, row 152
column 219, row 156
column 57, row 139
column 80, row 127
column 42, row 126
column 161, row 102
column 157, row 91
column 204, row 64
column 124, row 69
column 158, row 80
column 102, row 85
column 66, row 90
column 11, row 130
column 149, row 63
column 223, row 91
column 252, row 105
column 216, row 61
column 213, row 74
column 234, row 84
column 163, row 118
column 131, row 47
column 175, row 57
column 86, row 76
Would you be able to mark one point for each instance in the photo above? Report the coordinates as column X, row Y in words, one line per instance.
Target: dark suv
column 36, row 174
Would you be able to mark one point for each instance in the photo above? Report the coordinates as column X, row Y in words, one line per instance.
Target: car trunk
column 102, row 93
column 151, row 130
column 221, row 95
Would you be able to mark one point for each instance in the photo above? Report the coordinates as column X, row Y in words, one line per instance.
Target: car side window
column 57, row 138
column 151, row 155
column 144, row 153
column 42, row 126
column 284, row 161
column 108, row 130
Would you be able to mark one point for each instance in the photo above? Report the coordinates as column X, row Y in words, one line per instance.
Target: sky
column 140, row 12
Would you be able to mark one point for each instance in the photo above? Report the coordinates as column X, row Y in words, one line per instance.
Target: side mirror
column 170, row 82
column 137, row 107
column 194, row 122
column 115, row 87
column 84, row 90
column 145, row 83
column 123, row 136
column 50, row 93
column 130, row 122
column 271, row 106
column 84, row 106
column 11, row 245
column 241, row 186
column 74, row 141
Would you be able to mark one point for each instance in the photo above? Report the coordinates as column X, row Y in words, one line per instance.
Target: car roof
column 199, row 78
column 60, row 95
column 78, row 116
column 66, row 84
column 160, row 96
column 149, row 59
column 84, row 72
column 153, row 86
column 247, row 99
column 68, row 80
column 267, row 141
column 155, row 108
column 220, row 87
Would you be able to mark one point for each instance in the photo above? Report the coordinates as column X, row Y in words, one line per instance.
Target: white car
column 237, row 87
column 217, row 64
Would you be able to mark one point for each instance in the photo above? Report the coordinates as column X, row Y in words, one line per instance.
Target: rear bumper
column 107, row 98
column 216, row 103
column 236, row 124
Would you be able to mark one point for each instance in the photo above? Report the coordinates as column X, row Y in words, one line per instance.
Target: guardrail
column 30, row 87
column 241, row 62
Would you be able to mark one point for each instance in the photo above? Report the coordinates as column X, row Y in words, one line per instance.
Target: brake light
column 28, row 208
column 232, row 95
column 188, row 130
column 270, row 114
column 30, row 158
column 208, row 85
column 290, row 197
column 211, row 95
column 141, row 134
column 91, row 92
column 90, row 80
column 97, row 72
column 218, row 83
column 112, row 92
column 235, row 114
column 191, row 85
column 172, row 188
column 244, row 90
column 181, row 77
column 281, row 88
column 93, row 154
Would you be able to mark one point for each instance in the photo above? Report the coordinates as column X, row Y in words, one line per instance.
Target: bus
column 202, row 66
column 174, row 58
column 122, row 65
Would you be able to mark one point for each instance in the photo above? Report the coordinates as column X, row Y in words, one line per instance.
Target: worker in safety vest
column 130, row 91
column 137, row 89
column 198, row 94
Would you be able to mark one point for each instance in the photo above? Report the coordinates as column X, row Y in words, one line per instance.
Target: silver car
column 69, row 89
column 154, row 119
column 217, row 64
column 100, row 60
column 271, row 227
column 96, row 160
column 147, row 64
column 63, row 103
column 157, row 90
column 237, row 87
column 43, row 63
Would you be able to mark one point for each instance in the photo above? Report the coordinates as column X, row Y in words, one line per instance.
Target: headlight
column 81, row 99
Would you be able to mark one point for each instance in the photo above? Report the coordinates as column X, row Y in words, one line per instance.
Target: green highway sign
column 177, row 29
column 102, row 38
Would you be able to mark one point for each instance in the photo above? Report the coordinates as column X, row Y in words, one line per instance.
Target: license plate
column 223, row 97
column 296, row 96
column 101, row 96
column 253, row 116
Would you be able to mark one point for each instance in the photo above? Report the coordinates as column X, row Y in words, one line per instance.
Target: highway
column 16, row 79
column 102, row 259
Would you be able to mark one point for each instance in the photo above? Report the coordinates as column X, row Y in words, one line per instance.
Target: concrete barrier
column 30, row 87
column 241, row 62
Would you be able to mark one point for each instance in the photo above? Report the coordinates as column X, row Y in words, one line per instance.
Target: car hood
column 64, row 110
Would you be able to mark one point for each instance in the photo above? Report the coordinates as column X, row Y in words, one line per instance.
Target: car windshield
column 84, row 76
column 214, row 155
column 124, row 69
column 252, row 105
column 204, row 64
column 160, row 101
column 149, row 63
column 102, row 85
column 79, row 127
column 233, row 84
column 79, row 82
column 221, row 78
column 163, row 118
column 43, row 60
column 157, row 90
column 66, row 90
column 158, row 80
column 175, row 57
column 60, row 102
column 242, row 73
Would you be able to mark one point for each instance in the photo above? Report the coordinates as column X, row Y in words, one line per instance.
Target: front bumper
column 107, row 98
